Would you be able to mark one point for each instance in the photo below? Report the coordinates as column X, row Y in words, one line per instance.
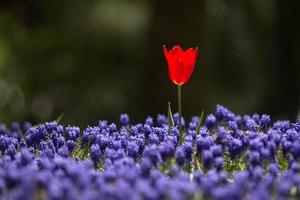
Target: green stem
column 179, row 108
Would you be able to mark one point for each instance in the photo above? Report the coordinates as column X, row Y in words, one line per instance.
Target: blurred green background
column 96, row 59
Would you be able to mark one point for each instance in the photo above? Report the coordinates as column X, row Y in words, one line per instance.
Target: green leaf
column 170, row 117
column 283, row 163
column 59, row 118
column 200, row 122
column 293, row 191
column 81, row 154
column 84, row 152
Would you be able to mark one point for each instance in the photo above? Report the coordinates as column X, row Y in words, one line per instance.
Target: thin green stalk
column 179, row 108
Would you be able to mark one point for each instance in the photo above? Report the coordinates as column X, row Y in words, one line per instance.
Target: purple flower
column 273, row 169
column 256, row 144
column 149, row 121
column 72, row 132
column 146, row 166
column 265, row 121
column 166, row 150
column 110, row 154
column 222, row 136
column 223, row 113
column 36, row 135
column 71, row 145
column 176, row 120
column 210, row 121
column 180, row 156
column 103, row 124
column 254, row 157
column 26, row 126
column 207, row 158
column 295, row 167
column 233, row 126
column 250, row 124
column 286, row 146
column 290, row 134
column 188, row 149
column 145, row 189
column 284, row 188
column 295, row 149
column 95, row 153
column 161, row 120
column 63, row 151
column 134, row 130
column 4, row 142
column 124, row 119
column 3, row 129
column 256, row 117
column 235, row 147
column 103, row 142
column 203, row 142
column 116, row 144
column 16, row 127
column 25, row 157
column 257, row 174
column 151, row 162
column 192, row 125
column 151, row 152
column 11, row 150
column 265, row 154
column 153, row 138
column 132, row 149
column 112, row 128
column 281, row 125
column 217, row 150
column 218, row 162
column 272, row 148
column 50, row 126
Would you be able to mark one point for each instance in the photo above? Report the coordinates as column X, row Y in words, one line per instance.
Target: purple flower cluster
column 230, row 157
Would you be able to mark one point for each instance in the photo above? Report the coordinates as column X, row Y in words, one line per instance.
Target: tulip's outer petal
column 190, row 56
column 179, row 72
column 171, row 60
column 177, row 51
column 166, row 51
column 178, row 65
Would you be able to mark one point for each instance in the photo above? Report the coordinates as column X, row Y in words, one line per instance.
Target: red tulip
column 181, row 63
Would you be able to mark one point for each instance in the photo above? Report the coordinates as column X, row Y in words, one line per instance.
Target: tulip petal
column 190, row 56
column 165, row 51
column 177, row 51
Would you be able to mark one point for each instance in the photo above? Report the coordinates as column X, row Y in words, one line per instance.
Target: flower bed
column 229, row 157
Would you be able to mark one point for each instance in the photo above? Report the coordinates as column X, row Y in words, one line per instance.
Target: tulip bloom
column 181, row 63
column 181, row 66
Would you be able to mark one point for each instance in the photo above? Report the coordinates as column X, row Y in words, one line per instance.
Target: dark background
column 96, row 59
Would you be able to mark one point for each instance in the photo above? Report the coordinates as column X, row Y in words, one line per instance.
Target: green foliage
column 232, row 166
column 200, row 122
column 282, row 161
column 59, row 118
column 84, row 152
column 170, row 117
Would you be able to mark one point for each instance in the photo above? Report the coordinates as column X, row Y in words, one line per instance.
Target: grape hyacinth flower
column 124, row 119
column 235, row 157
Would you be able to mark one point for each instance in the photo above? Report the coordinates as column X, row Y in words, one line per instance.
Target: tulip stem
column 179, row 108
